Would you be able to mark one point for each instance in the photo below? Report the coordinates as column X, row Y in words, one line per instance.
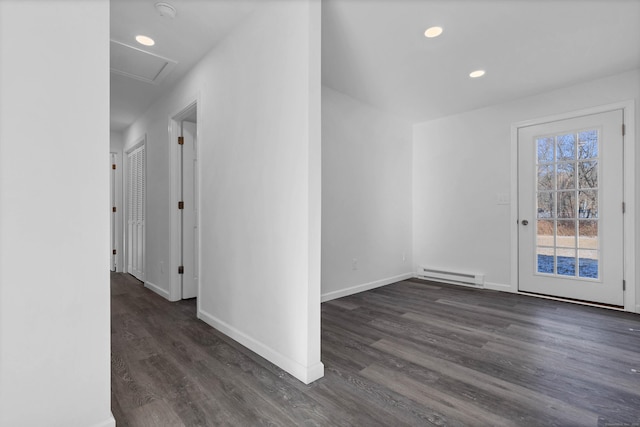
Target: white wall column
column 54, row 214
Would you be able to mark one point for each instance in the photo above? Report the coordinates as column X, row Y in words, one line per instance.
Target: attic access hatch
column 138, row 64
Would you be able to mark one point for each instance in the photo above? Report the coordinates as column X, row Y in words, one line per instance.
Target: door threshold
column 574, row 301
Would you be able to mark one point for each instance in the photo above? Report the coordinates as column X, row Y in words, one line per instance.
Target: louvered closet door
column 135, row 212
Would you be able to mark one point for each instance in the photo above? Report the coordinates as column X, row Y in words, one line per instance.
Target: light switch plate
column 503, row 198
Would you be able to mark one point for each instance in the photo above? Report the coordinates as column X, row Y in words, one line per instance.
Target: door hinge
column 181, row 140
column 180, row 205
column 113, row 166
column 624, row 285
column 113, row 209
column 624, row 207
column 114, row 251
column 181, row 269
column 624, row 129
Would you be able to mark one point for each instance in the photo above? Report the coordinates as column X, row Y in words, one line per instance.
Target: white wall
column 116, row 143
column 258, row 97
column 462, row 162
column 366, row 196
column 54, row 214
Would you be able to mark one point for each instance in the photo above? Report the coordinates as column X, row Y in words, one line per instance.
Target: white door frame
column 175, row 288
column 125, row 211
column 628, row 108
column 119, row 191
column 113, row 191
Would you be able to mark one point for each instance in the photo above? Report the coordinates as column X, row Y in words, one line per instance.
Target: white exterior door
column 570, row 208
column 136, row 212
column 190, row 211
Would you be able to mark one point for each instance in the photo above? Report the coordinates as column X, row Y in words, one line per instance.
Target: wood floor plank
column 457, row 410
column 342, row 304
column 553, row 408
column 154, row 414
column 128, row 392
column 573, row 344
column 514, row 317
column 391, row 408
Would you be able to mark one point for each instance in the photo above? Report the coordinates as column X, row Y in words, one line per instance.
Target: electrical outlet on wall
column 354, row 264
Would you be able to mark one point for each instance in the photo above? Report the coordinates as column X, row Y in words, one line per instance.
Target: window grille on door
column 567, row 204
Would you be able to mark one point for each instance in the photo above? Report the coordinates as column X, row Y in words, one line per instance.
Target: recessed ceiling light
column 144, row 40
column 477, row 73
column 433, row 32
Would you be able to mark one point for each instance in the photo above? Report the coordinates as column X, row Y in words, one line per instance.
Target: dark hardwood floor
column 411, row 353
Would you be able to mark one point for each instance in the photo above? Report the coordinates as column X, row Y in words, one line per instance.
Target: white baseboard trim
column 157, row 289
column 110, row 422
column 499, row 287
column 364, row 287
column 306, row 374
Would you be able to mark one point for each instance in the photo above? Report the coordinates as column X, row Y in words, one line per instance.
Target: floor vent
column 455, row 277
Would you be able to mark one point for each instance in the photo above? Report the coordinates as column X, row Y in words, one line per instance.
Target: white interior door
column 570, row 208
column 190, row 211
column 136, row 212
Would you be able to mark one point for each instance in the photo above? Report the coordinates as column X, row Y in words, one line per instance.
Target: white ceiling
column 375, row 51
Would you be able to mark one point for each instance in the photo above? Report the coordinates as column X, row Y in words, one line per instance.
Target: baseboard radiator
column 458, row 278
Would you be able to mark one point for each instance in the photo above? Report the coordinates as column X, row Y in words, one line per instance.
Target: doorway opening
column 185, row 244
